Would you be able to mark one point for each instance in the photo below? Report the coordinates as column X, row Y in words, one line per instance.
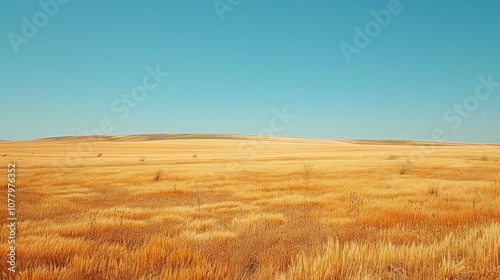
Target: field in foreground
column 235, row 207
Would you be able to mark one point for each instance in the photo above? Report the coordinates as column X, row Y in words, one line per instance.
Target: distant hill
column 209, row 136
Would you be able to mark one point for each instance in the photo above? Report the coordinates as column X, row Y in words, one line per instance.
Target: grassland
column 229, row 207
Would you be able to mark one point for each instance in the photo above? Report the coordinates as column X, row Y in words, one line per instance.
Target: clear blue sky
column 227, row 76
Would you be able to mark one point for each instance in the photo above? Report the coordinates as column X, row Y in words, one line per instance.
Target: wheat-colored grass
column 286, row 209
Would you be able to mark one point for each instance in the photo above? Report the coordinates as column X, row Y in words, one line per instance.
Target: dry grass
column 433, row 190
column 484, row 158
column 308, row 172
column 157, row 176
column 405, row 167
column 392, row 157
column 352, row 216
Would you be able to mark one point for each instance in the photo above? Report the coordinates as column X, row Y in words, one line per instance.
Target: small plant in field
column 195, row 155
column 175, row 181
column 405, row 167
column 433, row 191
column 157, row 176
column 475, row 199
column 119, row 216
column 92, row 232
column 396, row 269
column 118, row 229
column 4, row 155
column 484, row 158
column 198, row 197
column 251, row 265
column 355, row 204
column 392, row 157
column 142, row 159
column 99, row 155
column 308, row 168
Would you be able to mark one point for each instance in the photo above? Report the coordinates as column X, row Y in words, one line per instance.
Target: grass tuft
column 405, row 167
column 157, row 176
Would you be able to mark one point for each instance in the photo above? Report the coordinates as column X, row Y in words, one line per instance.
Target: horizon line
column 245, row 134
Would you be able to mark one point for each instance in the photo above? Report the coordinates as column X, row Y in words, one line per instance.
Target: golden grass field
column 206, row 207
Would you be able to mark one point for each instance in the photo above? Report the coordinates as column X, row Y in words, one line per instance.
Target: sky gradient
column 231, row 75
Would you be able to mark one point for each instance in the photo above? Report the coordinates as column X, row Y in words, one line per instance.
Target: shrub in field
column 405, row 167
column 484, row 158
column 157, row 176
column 307, row 172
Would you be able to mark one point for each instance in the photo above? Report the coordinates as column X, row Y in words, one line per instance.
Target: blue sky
column 228, row 76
